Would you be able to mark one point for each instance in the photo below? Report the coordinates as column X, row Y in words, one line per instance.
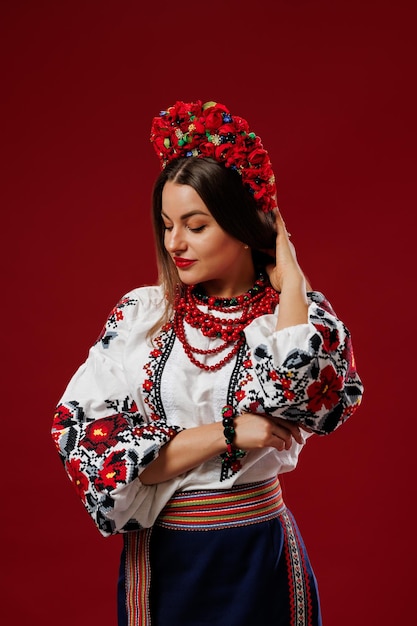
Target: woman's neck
column 225, row 288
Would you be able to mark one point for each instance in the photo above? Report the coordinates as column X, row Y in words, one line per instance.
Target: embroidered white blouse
column 131, row 396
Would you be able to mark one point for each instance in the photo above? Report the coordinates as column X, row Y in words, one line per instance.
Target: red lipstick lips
column 181, row 263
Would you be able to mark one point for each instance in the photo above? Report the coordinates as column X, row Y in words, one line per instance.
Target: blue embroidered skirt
column 224, row 558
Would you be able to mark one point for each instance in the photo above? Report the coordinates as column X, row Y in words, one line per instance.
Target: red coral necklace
column 261, row 299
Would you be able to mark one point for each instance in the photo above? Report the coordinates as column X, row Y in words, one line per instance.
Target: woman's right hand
column 255, row 431
column 193, row 446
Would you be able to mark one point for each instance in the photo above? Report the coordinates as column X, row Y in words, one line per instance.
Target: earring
column 246, row 246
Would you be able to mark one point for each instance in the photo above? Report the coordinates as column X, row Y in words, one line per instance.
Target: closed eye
column 197, row 230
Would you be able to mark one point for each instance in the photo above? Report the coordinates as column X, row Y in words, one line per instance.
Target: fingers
column 286, row 435
column 283, row 438
column 292, row 428
column 260, row 431
column 280, row 224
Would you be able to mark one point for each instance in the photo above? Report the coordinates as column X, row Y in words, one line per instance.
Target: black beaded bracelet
column 230, row 459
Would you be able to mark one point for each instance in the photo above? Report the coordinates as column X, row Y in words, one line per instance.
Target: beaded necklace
column 261, row 299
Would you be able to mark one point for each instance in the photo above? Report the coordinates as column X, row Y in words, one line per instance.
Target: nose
column 174, row 241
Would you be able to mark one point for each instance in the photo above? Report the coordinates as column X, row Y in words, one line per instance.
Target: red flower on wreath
column 209, row 130
column 325, row 391
column 214, row 116
column 103, row 433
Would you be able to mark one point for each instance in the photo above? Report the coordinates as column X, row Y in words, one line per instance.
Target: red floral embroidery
column 56, row 437
column 150, row 369
column 330, row 336
column 114, row 317
column 240, row 395
column 103, row 433
column 288, row 394
column 62, row 417
column 273, row 375
column 349, row 410
column 79, row 479
column 325, row 391
column 150, row 429
column 112, row 472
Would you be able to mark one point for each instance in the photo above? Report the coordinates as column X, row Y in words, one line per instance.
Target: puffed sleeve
column 305, row 373
column 103, row 439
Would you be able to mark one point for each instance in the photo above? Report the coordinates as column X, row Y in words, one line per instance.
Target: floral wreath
column 209, row 130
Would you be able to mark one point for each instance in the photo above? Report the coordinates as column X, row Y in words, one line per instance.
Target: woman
column 201, row 390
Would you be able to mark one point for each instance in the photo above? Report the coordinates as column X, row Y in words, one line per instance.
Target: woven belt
column 210, row 510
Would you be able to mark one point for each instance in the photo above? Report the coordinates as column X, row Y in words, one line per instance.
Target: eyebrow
column 186, row 215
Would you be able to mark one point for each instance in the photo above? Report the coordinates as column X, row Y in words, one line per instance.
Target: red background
column 329, row 86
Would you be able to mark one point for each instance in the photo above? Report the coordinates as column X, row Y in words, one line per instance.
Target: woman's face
column 202, row 251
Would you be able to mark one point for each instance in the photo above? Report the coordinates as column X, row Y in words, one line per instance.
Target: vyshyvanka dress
column 208, row 547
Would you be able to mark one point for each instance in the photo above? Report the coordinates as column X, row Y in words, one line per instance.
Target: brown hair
column 231, row 205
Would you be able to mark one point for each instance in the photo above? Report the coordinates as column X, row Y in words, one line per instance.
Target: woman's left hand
column 286, row 267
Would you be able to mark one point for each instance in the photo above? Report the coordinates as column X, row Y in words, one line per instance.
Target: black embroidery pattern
column 102, row 454
column 154, row 369
column 318, row 387
column 116, row 315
